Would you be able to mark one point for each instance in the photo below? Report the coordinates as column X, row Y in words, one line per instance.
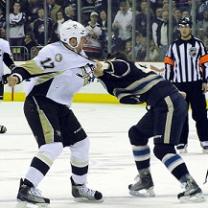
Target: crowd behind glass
column 142, row 29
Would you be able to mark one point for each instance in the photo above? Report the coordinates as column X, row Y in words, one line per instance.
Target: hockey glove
column 4, row 78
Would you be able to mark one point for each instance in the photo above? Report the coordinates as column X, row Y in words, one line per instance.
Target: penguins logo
column 58, row 57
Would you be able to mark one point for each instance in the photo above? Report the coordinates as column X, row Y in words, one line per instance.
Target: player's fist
column 12, row 80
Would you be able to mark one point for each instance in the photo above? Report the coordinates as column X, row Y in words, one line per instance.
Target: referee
column 186, row 65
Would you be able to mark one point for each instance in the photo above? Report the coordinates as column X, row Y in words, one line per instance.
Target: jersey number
column 47, row 64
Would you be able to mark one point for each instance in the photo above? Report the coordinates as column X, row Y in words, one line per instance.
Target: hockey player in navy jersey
column 164, row 120
column 53, row 76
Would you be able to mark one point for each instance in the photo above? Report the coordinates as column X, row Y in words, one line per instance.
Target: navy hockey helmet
column 185, row 21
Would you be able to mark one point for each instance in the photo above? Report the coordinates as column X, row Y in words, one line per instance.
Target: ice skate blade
column 196, row 198
column 84, row 200
column 24, row 204
column 143, row 193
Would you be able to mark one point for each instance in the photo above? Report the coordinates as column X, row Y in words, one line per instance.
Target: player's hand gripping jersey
column 56, row 72
column 132, row 84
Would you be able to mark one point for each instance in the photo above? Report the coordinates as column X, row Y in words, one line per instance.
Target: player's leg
column 43, row 118
column 183, row 144
column 3, row 128
column 138, row 136
column 168, row 124
column 183, row 141
column 76, row 138
column 199, row 114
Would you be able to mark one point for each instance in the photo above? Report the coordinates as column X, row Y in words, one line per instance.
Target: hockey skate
column 182, row 148
column 3, row 129
column 192, row 192
column 30, row 194
column 81, row 193
column 143, row 186
column 204, row 146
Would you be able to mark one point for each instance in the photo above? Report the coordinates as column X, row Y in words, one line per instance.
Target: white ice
column 111, row 165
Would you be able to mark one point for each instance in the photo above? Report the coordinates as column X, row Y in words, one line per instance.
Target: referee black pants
column 196, row 99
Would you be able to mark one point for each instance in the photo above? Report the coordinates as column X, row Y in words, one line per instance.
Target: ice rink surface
column 111, row 165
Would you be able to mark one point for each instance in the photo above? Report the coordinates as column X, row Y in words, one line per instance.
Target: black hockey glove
column 132, row 99
column 4, row 78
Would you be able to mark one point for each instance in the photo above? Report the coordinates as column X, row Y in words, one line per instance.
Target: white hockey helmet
column 72, row 29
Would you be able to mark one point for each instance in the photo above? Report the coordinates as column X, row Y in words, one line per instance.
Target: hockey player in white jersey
column 5, row 58
column 53, row 76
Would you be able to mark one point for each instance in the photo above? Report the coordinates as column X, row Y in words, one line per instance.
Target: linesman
column 186, row 64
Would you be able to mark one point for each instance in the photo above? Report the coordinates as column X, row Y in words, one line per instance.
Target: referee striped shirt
column 186, row 61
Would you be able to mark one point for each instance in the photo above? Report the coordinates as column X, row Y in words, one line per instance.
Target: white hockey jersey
column 4, row 48
column 70, row 70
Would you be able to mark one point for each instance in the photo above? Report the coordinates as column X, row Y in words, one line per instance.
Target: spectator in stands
column 140, row 47
column 17, row 20
column 122, row 24
column 185, row 13
column 206, row 43
column 2, row 19
column 29, row 43
column 158, row 21
column 141, row 18
column 153, row 52
column 176, row 17
column 128, row 50
column 93, row 45
column 166, row 5
column 87, row 7
column 56, row 27
column 53, row 9
column 39, row 28
column 31, row 9
column 69, row 13
column 203, row 24
column 101, row 5
column 161, row 35
column 104, row 36
column 66, row 3
column 59, row 20
column 202, row 7
column 2, row 33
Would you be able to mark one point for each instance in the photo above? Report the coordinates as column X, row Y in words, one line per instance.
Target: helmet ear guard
column 72, row 29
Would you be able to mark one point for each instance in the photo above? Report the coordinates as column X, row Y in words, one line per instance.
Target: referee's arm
column 169, row 64
column 203, row 61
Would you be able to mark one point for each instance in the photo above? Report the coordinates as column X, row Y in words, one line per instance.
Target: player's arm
column 7, row 59
column 17, row 76
column 116, row 68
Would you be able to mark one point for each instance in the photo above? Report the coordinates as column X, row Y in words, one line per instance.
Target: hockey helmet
column 185, row 21
column 72, row 29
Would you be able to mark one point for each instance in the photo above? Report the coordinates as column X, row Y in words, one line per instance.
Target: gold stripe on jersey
column 44, row 158
column 141, row 81
column 168, row 120
column 32, row 67
column 47, row 128
column 136, row 84
column 45, row 78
